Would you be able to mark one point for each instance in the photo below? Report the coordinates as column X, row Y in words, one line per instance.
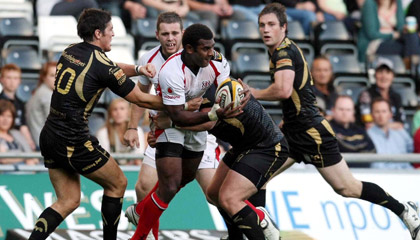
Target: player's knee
column 120, row 185
column 71, row 203
column 226, row 201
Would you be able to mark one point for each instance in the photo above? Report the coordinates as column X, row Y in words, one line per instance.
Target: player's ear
column 97, row 34
column 189, row 49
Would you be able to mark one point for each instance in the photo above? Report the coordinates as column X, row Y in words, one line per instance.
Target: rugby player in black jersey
column 310, row 136
column 83, row 73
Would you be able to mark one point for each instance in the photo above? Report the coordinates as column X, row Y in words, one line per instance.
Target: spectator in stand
column 324, row 90
column 111, row 136
column 247, row 10
column 63, row 7
column 211, row 10
column 125, row 9
column 307, row 12
column 10, row 79
column 416, row 122
column 414, row 10
column 382, row 31
column 386, row 139
column 38, row 106
column 351, row 138
column 155, row 7
column 384, row 76
column 11, row 140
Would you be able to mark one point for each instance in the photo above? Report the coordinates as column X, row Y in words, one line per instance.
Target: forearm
column 272, row 93
column 135, row 116
column 158, row 5
column 201, row 127
column 184, row 118
column 195, row 5
column 129, row 69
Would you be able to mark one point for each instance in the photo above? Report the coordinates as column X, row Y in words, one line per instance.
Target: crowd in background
column 374, row 122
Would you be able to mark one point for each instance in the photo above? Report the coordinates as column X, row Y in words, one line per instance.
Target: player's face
column 106, row 37
column 6, row 121
column 321, row 71
column 50, row 77
column 343, row 111
column 170, row 37
column 381, row 113
column 120, row 112
column 271, row 32
column 10, row 80
column 384, row 78
column 204, row 53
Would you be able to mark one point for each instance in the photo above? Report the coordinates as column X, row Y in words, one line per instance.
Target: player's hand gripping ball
column 229, row 91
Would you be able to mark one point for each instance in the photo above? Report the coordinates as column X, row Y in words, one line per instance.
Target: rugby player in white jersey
column 169, row 33
column 185, row 75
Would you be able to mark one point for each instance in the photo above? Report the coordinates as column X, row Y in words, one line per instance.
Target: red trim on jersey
column 153, row 56
column 177, row 54
column 215, row 71
column 183, row 71
column 217, row 151
column 158, row 132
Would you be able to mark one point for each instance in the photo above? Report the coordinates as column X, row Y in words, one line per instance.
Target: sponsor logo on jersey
column 205, row 84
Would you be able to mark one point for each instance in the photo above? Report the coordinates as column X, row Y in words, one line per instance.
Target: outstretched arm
column 281, row 88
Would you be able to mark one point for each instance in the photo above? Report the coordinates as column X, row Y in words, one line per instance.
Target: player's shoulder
column 218, row 57
column 151, row 55
column 173, row 65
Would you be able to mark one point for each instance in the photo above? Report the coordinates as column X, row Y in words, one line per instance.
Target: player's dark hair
column 169, row 17
column 277, row 9
column 194, row 33
column 90, row 20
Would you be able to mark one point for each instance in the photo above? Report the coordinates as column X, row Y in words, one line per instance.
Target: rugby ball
column 229, row 91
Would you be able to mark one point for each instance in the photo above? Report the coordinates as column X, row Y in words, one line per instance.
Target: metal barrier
column 349, row 157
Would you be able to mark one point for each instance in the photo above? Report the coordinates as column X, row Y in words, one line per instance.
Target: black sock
column 111, row 211
column 234, row 232
column 46, row 224
column 258, row 199
column 247, row 220
column 375, row 194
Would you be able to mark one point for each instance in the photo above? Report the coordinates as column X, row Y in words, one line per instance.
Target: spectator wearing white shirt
column 388, row 140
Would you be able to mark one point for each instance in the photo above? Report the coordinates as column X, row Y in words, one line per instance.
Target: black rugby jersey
column 254, row 128
column 299, row 110
column 83, row 73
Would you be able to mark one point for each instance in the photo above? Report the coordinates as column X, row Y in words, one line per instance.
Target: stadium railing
column 349, row 157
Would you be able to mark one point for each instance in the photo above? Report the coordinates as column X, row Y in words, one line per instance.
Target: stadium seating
column 261, row 82
column 56, row 33
column 405, row 86
column 351, row 85
column 235, row 32
column 347, row 64
column 26, row 57
column 250, row 63
column 25, row 89
column 332, row 37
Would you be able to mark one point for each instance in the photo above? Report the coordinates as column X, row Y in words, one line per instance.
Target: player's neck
column 189, row 63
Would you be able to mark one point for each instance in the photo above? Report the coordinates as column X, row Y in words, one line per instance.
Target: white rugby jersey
column 178, row 84
column 156, row 58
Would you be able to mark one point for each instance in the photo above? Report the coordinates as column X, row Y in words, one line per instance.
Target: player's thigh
column 110, row 177
column 147, row 177
column 236, row 187
column 216, row 182
column 204, row 177
column 190, row 162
